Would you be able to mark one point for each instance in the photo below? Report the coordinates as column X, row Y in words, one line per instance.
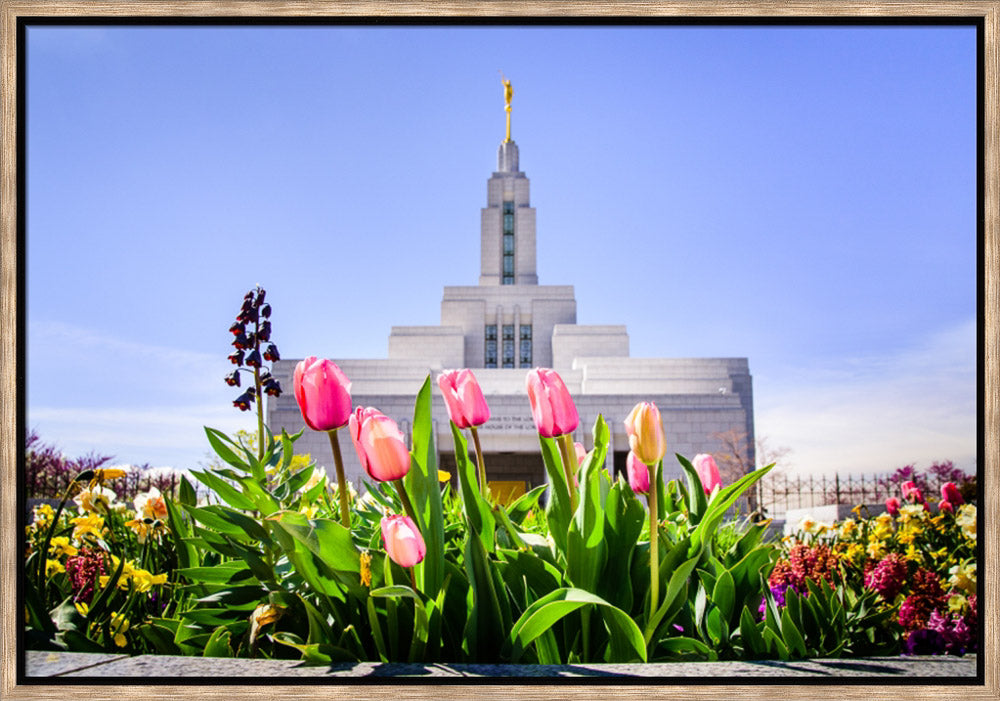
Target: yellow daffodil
column 143, row 581
column 60, row 546
column 957, row 604
column 103, row 474
column 966, row 519
column 91, row 524
column 913, row 555
column 53, row 567
column 366, row 569
column 43, row 516
column 963, row 577
column 119, row 625
column 848, row 528
column 876, row 550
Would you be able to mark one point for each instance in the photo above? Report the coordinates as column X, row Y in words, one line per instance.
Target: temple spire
column 508, row 94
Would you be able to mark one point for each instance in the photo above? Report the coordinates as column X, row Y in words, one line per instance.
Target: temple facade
column 504, row 326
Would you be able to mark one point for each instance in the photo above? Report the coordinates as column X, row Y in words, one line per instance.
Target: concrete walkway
column 163, row 668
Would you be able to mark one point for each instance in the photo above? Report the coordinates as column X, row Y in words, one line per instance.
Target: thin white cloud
column 878, row 413
column 172, row 437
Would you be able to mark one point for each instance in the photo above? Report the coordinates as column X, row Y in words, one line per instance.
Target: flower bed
column 588, row 568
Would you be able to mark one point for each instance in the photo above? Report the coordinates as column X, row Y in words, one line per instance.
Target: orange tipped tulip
column 645, row 433
column 379, row 444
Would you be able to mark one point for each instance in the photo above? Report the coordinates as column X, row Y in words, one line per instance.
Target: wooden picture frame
column 12, row 377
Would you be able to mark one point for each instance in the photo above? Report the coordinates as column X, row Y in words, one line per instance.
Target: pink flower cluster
column 926, row 595
column 84, row 569
column 888, row 576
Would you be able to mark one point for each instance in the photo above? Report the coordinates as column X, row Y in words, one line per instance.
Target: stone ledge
column 40, row 664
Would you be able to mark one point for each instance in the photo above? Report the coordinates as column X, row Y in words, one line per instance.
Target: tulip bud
column 551, row 404
column 233, row 380
column 950, row 494
column 638, row 474
column 253, row 358
column 403, row 542
column 581, row 452
column 708, row 472
column 464, row 398
column 379, row 444
column 323, row 393
column 271, row 353
column 892, row 506
column 645, row 433
column 236, row 358
column 945, row 507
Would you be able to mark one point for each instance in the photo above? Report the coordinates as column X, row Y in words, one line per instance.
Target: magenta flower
column 950, row 494
column 888, row 576
column 892, row 506
column 638, row 474
column 708, row 471
column 323, row 393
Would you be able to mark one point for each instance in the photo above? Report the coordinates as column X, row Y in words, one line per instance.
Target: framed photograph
column 726, row 304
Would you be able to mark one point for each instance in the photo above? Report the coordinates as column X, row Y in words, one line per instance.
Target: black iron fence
column 780, row 493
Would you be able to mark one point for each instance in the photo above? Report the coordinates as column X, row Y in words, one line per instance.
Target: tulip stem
column 568, row 451
column 654, row 544
column 479, row 461
column 405, row 498
column 338, row 462
column 413, row 577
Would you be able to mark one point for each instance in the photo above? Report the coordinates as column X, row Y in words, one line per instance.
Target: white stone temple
column 509, row 323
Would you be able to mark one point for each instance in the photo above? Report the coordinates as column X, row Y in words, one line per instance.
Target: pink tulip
column 708, row 471
column 379, row 444
column 910, row 492
column 402, row 540
column 323, row 393
column 950, row 494
column 581, row 453
column 892, row 506
column 638, row 474
column 945, row 507
column 464, row 398
column 551, row 405
column 645, row 433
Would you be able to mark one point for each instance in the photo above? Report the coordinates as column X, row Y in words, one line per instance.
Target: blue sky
column 801, row 196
